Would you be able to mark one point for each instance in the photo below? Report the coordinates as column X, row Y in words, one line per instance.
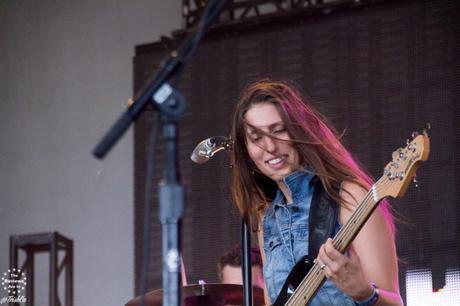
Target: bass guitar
column 306, row 277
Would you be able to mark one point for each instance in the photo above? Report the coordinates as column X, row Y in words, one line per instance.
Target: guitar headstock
column 401, row 170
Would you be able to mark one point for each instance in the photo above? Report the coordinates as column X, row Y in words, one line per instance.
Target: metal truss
column 240, row 11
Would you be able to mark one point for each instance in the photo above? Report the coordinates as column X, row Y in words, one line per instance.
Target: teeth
column 274, row 161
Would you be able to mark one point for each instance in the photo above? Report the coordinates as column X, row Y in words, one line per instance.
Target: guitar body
column 297, row 274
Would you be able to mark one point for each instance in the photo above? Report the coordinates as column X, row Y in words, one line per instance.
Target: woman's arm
column 372, row 255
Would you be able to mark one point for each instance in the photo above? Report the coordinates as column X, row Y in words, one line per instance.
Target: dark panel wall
column 378, row 72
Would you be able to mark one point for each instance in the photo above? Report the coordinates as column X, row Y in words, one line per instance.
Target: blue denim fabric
column 286, row 240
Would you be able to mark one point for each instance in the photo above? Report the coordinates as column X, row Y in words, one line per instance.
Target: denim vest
column 286, row 240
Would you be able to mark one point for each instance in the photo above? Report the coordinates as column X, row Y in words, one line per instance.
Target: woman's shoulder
column 352, row 192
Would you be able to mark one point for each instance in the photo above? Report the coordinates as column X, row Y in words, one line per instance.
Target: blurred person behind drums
column 230, row 267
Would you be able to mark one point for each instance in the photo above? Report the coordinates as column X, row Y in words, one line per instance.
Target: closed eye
column 255, row 138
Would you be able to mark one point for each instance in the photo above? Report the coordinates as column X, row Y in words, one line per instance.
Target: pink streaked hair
column 316, row 141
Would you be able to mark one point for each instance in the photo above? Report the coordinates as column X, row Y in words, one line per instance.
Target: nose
column 269, row 144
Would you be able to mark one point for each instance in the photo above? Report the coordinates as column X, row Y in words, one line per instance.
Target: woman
column 281, row 144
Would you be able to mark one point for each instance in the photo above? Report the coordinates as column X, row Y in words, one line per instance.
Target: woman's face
column 274, row 158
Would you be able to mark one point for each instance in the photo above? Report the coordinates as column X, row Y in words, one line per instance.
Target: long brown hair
column 317, row 143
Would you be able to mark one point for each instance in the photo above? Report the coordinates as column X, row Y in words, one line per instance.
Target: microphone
column 208, row 147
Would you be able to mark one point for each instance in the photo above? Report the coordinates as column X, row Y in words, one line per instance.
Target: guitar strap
column 323, row 218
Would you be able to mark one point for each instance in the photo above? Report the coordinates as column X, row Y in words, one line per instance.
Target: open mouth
column 276, row 160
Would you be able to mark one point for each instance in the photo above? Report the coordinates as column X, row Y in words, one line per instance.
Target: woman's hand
column 345, row 272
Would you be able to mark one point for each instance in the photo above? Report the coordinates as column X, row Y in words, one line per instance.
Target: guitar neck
column 315, row 277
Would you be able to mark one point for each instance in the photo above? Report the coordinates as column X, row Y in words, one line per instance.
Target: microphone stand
column 168, row 101
column 171, row 198
column 201, row 154
column 247, row 263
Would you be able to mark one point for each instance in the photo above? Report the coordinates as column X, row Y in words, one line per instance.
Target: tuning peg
column 414, row 134
column 427, row 128
column 415, row 181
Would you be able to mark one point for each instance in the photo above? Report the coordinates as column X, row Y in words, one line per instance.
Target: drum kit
column 203, row 295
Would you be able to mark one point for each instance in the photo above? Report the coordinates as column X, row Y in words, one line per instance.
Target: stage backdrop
column 378, row 72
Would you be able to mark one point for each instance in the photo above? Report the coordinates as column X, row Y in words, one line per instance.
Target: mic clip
column 208, row 147
column 216, row 144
